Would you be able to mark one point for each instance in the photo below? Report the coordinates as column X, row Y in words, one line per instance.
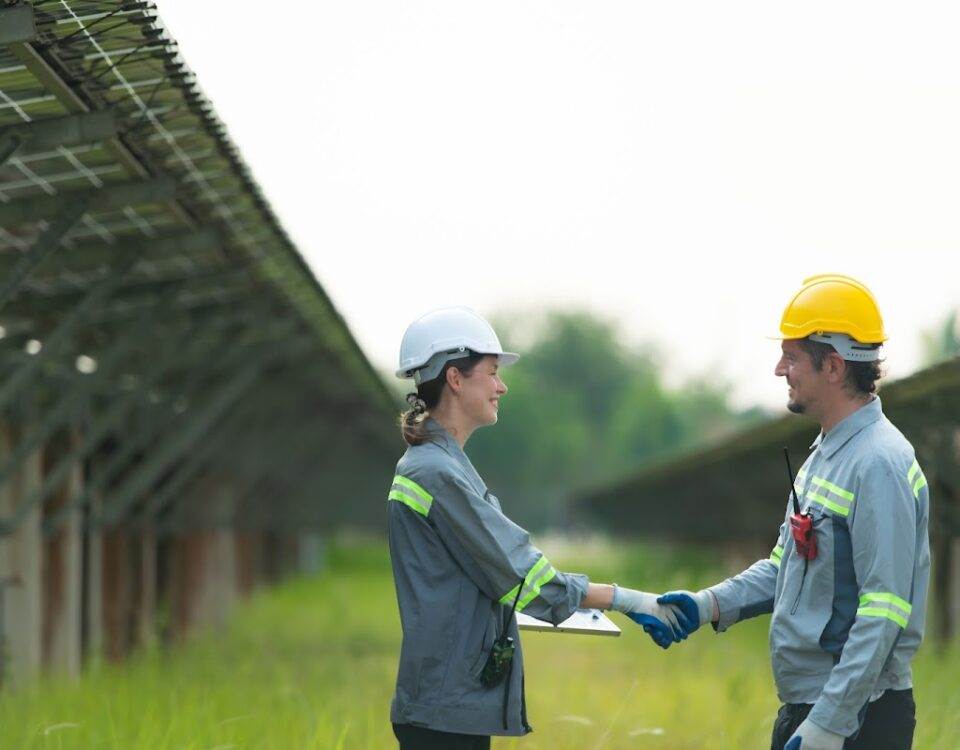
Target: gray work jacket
column 845, row 630
column 457, row 564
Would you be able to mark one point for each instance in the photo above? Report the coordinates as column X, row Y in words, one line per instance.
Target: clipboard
column 583, row 621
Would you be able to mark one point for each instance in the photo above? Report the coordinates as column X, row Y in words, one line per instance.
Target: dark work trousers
column 419, row 738
column 888, row 724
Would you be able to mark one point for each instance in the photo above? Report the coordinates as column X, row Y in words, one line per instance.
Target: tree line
column 584, row 408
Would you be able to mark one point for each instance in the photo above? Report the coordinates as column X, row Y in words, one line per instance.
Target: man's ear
column 836, row 368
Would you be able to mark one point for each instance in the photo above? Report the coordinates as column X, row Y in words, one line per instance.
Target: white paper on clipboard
column 583, row 621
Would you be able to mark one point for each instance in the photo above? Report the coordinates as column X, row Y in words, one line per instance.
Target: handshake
column 666, row 618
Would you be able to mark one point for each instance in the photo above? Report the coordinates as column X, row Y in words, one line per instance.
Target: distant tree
column 942, row 341
column 584, row 408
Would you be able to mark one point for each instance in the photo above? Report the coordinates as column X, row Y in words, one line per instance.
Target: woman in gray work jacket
column 460, row 565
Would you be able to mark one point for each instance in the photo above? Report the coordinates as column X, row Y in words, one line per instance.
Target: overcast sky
column 679, row 167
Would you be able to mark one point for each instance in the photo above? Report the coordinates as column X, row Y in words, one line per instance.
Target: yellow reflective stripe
column 890, row 606
column 537, row 567
column 921, row 480
column 531, row 575
column 888, row 613
column 801, row 478
column 408, row 501
column 893, row 599
column 827, row 503
column 544, row 578
column 425, row 496
column 838, row 491
column 510, row 595
column 776, row 555
column 919, row 485
column 410, row 494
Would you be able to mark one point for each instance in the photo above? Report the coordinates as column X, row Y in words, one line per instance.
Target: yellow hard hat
column 832, row 303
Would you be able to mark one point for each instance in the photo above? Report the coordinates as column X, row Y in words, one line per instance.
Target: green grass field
column 311, row 665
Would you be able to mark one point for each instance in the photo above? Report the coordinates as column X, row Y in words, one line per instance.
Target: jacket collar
column 847, row 427
column 444, row 440
column 439, row 435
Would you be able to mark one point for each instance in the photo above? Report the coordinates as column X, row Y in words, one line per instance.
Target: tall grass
column 311, row 664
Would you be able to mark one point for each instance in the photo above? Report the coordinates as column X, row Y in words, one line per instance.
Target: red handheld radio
column 801, row 524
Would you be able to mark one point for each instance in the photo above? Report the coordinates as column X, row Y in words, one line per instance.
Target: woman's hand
column 659, row 621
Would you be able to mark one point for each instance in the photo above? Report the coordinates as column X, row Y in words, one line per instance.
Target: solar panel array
column 158, row 325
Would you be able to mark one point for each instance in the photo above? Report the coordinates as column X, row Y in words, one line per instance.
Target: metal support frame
column 84, row 256
column 214, row 448
column 143, row 280
column 45, row 244
column 200, row 345
column 277, row 462
column 71, row 130
column 266, row 439
column 209, row 285
column 140, row 480
column 306, row 482
column 64, row 330
column 83, row 386
column 107, row 198
column 5, row 583
column 171, row 356
column 220, row 362
column 169, row 452
column 9, row 143
column 279, row 458
column 17, row 24
column 198, row 460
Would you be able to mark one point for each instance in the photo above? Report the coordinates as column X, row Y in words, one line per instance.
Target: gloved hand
column 809, row 736
column 659, row 621
column 696, row 609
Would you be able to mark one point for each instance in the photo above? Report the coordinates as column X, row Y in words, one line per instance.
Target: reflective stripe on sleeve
column 916, row 478
column 540, row 574
column 410, row 494
column 776, row 555
column 882, row 604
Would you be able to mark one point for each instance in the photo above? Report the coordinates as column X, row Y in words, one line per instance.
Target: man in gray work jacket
column 847, row 622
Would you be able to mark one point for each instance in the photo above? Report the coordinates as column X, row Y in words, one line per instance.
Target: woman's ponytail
column 412, row 420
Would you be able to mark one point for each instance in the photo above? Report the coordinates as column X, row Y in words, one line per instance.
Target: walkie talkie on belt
column 499, row 663
column 801, row 524
column 500, row 659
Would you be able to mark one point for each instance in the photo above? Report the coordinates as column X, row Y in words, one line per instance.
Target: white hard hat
column 434, row 339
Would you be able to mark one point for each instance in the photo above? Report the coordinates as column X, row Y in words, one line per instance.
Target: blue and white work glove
column 659, row 621
column 696, row 609
column 811, row 737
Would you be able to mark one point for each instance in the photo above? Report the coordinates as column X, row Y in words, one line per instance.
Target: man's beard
column 795, row 407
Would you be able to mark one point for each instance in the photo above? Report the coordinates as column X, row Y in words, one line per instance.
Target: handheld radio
column 801, row 524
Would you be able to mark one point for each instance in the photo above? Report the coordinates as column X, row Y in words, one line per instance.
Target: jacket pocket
column 485, row 645
column 808, row 581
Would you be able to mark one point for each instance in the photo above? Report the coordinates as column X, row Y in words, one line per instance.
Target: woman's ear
column 454, row 379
